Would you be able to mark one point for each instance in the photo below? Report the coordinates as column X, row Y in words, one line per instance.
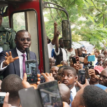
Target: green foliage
column 94, row 26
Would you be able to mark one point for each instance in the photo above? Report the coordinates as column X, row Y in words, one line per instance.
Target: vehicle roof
column 10, row 1
column 2, row 2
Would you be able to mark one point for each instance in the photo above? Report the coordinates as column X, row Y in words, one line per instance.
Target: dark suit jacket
column 13, row 68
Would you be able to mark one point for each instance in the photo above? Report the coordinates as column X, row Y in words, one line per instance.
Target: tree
column 87, row 17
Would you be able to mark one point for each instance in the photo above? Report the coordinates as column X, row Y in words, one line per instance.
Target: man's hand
column 86, row 60
column 91, row 72
column 94, row 78
column 48, row 77
column 83, row 85
column 9, row 59
column 27, row 85
column 56, row 32
column 55, row 24
column 6, row 99
column 65, row 104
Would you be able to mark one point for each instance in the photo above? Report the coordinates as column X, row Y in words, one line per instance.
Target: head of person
column 94, row 97
column 101, row 58
column 71, row 62
column 12, row 84
column 79, row 52
column 83, row 49
column 64, row 63
column 102, row 51
column 96, row 52
column 105, row 64
column 23, row 40
column 105, row 53
column 103, row 77
column 90, row 96
column 54, row 71
column 51, row 62
column 69, row 76
column 61, row 43
column 48, row 40
column 65, row 93
column 59, row 75
column 60, row 70
column 0, row 19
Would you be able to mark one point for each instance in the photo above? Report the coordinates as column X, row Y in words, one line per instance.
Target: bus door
column 28, row 16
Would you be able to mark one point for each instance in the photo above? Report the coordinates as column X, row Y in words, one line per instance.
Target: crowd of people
column 65, row 65
column 66, row 70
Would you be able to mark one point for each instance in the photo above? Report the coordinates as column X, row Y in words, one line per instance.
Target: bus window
column 27, row 20
column 5, row 22
column 19, row 21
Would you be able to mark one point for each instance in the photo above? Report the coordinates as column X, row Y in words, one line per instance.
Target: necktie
column 71, row 98
column 24, row 69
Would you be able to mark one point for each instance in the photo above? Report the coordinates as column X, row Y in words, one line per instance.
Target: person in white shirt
column 96, row 53
column 51, row 44
column 59, row 53
column 70, row 51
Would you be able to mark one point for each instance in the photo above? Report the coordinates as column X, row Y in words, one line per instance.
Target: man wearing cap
column 7, row 36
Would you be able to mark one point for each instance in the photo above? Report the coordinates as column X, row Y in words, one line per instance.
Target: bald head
column 21, row 31
column 65, row 92
column 51, row 62
column 103, row 77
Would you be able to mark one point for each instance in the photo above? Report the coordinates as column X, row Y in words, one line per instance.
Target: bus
column 31, row 11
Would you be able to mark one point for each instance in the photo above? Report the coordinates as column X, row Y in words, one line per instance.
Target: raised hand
column 48, row 77
column 91, row 72
column 86, row 60
column 28, row 85
column 83, row 85
column 56, row 32
column 9, row 59
column 55, row 24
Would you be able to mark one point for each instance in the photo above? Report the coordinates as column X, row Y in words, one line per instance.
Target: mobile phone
column 86, row 73
column 81, row 76
column 2, row 96
column 31, row 71
column 91, row 58
column 50, row 94
column 30, row 97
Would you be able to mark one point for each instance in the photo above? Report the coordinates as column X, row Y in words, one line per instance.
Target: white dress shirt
column 20, row 63
column 73, row 92
column 50, row 47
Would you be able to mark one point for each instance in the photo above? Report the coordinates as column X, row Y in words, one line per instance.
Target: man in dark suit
column 12, row 60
